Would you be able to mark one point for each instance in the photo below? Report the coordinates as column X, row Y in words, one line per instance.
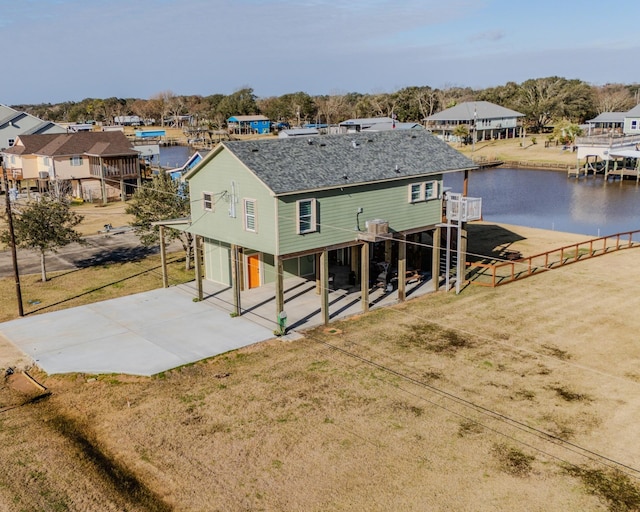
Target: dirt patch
column 19, row 388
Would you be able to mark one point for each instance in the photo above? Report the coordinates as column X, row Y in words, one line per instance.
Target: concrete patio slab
column 141, row 334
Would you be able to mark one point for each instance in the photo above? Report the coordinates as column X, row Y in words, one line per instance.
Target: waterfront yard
column 511, row 150
column 522, row 398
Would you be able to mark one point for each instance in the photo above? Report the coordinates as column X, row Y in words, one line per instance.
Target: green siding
column 336, row 213
column 216, row 178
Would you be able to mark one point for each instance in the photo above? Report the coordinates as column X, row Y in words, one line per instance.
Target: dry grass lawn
column 95, row 216
column 510, row 150
column 87, row 285
column 522, row 398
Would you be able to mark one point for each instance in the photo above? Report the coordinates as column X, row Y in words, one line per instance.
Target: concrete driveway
column 147, row 333
column 142, row 334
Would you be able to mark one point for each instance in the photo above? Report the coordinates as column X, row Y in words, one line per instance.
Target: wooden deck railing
column 497, row 274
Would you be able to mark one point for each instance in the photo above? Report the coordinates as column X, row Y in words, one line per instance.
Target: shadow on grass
column 116, row 255
column 61, row 273
column 487, row 242
column 93, row 290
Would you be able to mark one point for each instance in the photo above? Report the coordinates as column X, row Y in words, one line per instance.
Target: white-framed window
column 423, row 191
column 250, row 221
column 415, row 192
column 75, row 161
column 207, row 201
column 634, row 125
column 45, row 161
column 306, row 216
column 13, row 159
column 430, row 190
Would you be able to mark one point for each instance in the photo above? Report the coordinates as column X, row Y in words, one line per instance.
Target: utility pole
column 12, row 243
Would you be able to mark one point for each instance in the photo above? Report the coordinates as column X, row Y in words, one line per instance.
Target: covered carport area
column 356, row 276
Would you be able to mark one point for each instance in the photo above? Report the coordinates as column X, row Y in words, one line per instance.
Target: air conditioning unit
column 43, row 175
column 377, row 227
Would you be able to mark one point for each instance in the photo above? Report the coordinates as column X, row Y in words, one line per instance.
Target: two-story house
column 96, row 165
column 268, row 209
column 249, row 124
column 483, row 120
column 14, row 123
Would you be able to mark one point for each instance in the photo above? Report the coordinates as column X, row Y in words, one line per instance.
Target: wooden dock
column 611, row 168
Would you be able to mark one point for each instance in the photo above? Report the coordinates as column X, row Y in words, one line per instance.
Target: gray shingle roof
column 379, row 127
column 609, row 117
column 249, row 118
column 634, row 112
column 295, row 164
column 469, row 110
column 368, row 121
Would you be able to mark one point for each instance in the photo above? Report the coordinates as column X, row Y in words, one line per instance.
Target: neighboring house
column 97, row 165
column 178, row 121
column 375, row 124
column 611, row 136
column 632, row 121
column 127, row 121
column 298, row 132
column 191, row 162
column 14, row 123
column 489, row 120
column 393, row 125
column 607, row 123
column 272, row 208
column 249, row 124
column 360, row 124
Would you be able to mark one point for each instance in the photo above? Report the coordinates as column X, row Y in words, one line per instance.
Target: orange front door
column 253, row 270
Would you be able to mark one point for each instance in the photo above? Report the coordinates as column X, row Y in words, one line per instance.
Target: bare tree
column 163, row 104
column 613, row 98
column 331, row 108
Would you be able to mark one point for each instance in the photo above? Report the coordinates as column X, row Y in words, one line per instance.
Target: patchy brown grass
column 511, row 150
column 95, row 216
column 447, row 402
column 87, row 285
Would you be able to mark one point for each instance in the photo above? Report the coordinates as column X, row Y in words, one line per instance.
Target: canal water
column 549, row 200
column 533, row 198
column 174, row 156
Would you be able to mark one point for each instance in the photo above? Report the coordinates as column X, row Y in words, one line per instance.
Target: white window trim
column 420, row 195
column 245, row 216
column 423, row 191
column 312, row 221
column 434, row 190
column 75, row 161
column 209, row 207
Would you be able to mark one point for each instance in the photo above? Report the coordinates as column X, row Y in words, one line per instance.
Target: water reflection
column 550, row 200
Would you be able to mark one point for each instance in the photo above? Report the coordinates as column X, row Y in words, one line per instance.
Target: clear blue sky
column 57, row 50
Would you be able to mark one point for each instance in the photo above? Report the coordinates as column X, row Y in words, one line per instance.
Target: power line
column 519, row 425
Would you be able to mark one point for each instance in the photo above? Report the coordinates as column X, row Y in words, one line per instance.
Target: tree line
column 543, row 101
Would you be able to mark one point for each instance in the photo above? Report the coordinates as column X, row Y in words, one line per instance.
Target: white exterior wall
column 631, row 125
